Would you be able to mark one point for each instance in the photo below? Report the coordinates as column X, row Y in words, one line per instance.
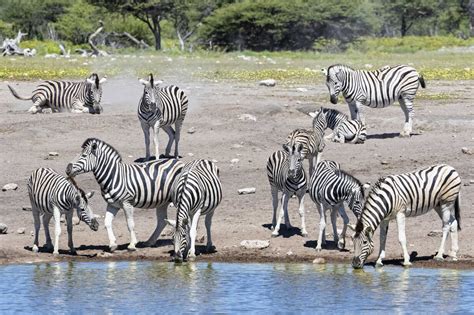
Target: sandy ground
column 443, row 127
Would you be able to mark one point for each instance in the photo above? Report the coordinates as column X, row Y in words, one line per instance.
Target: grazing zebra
column 160, row 107
column 344, row 129
column 139, row 185
column 330, row 187
column 408, row 195
column 286, row 174
column 197, row 191
column 60, row 96
column 375, row 89
column 51, row 195
column 313, row 145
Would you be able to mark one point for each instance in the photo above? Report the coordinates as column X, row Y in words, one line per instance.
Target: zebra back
column 172, row 103
column 334, row 117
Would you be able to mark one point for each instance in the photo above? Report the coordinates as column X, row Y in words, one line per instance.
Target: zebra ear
column 90, row 81
column 158, row 82
column 286, row 147
column 150, row 79
column 90, row 194
column 144, row 82
column 324, row 71
column 312, row 114
column 366, row 186
column 103, row 80
column 93, row 148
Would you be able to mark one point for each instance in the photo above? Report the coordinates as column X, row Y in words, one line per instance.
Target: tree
column 471, row 16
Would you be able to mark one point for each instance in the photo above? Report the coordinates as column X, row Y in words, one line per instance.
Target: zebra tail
column 18, row 96
column 457, row 212
column 422, row 81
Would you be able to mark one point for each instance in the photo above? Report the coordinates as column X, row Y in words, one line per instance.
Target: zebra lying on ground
column 140, row 185
column 344, row 129
column 52, row 195
column 329, row 188
column 286, row 174
column 375, row 89
column 197, row 191
column 408, row 195
column 312, row 142
column 161, row 108
column 61, row 96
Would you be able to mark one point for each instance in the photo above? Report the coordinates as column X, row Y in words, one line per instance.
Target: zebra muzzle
column 333, row 99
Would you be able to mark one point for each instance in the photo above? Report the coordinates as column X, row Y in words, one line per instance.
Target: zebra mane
column 344, row 173
column 101, row 143
column 79, row 189
column 341, row 66
column 377, row 185
column 332, row 110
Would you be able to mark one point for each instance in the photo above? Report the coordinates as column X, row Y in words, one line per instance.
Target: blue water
column 157, row 287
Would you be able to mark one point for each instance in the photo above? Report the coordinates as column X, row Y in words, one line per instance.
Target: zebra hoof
column 112, row 248
column 35, row 249
column 405, row 134
column 56, row 253
column 318, row 249
column 304, row 234
column 407, row 264
column 378, row 264
column 275, row 234
column 131, row 248
column 438, row 258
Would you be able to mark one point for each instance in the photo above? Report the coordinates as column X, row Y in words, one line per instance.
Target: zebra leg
column 208, row 222
column 402, row 238
column 454, row 239
column 156, row 131
column 57, row 229
column 353, row 110
column 146, row 133
column 171, row 134
column 128, row 209
column 284, row 205
column 444, row 212
column 301, row 195
column 334, row 224
column 110, row 213
column 407, row 106
column 287, row 217
column 37, row 222
column 37, row 106
column 70, row 243
column 193, row 232
column 46, row 218
column 311, row 165
column 322, row 227
column 383, row 240
column 275, row 205
column 161, row 216
column 177, row 135
column 360, row 112
column 342, row 238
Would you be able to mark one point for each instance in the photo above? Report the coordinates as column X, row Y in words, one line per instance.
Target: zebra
column 286, row 174
column 60, row 96
column 312, row 145
column 407, row 195
column 344, row 129
column 375, row 89
column 330, row 187
column 52, row 195
column 197, row 191
column 139, row 185
column 160, row 107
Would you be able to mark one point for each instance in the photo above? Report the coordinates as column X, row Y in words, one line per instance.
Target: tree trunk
column 157, row 35
column 403, row 29
column 181, row 40
column 471, row 16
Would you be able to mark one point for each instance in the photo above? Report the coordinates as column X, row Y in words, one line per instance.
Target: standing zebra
column 375, row 89
column 140, row 185
column 52, row 195
column 197, row 191
column 286, row 174
column 312, row 145
column 408, row 195
column 344, row 129
column 160, row 108
column 330, row 187
column 60, row 96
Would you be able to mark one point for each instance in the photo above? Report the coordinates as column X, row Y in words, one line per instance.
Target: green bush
column 6, row 30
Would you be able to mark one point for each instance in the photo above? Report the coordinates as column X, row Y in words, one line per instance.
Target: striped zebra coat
column 161, row 107
column 330, row 187
column 375, row 89
column 197, row 191
column 127, row 186
column 286, row 174
column 312, row 145
column 407, row 195
column 52, row 195
column 67, row 96
column 344, row 129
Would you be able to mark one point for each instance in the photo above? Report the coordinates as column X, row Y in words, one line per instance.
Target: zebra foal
column 375, row 89
column 52, row 195
column 409, row 195
column 60, row 96
column 197, row 191
column 161, row 107
column 127, row 186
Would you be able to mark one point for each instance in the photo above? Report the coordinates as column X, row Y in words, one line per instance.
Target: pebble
column 254, row 244
column 190, row 154
column 466, row 151
column 435, row 233
column 20, row 231
column 52, row 153
column 247, row 191
column 237, row 146
column 11, row 186
column 233, row 161
column 214, row 161
column 191, row 130
column 3, row 228
column 471, row 181
column 268, row 82
column 289, row 253
column 247, row 117
column 302, row 89
column 26, row 208
column 104, row 254
column 384, row 162
column 319, row 261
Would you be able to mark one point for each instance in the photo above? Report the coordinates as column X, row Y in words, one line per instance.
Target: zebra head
column 356, row 201
column 319, row 119
column 94, row 93
column 334, row 82
column 84, row 211
column 363, row 244
column 181, row 237
column 87, row 160
column 295, row 156
column 149, row 94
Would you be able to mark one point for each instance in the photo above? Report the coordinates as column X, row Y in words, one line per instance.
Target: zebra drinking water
column 139, row 185
column 60, row 96
column 197, row 191
column 375, row 89
column 161, row 107
column 330, row 187
column 52, row 195
column 408, row 195
column 344, row 129
column 286, row 174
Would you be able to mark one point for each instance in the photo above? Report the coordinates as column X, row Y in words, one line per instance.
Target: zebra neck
column 82, row 93
column 107, row 172
column 373, row 214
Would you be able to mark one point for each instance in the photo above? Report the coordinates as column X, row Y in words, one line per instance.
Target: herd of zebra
column 195, row 188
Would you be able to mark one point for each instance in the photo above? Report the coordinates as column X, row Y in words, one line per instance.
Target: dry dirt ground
column 443, row 127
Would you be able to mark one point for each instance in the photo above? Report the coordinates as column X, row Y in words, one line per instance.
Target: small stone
column 247, row 191
column 234, row 161
column 289, row 253
column 3, row 228
column 302, row 89
column 435, row 233
column 466, row 151
column 52, row 153
column 237, row 146
column 214, row 161
column 20, row 231
column 104, row 254
column 384, row 162
column 32, row 233
column 471, row 181
column 467, row 184
column 319, row 261
column 268, row 82
column 11, row 186
column 26, row 208
column 190, row 154
column 75, row 221
column 247, row 117
column 254, row 244
column 191, row 130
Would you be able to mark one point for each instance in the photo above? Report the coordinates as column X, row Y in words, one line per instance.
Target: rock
column 384, row 162
column 289, row 253
column 52, row 153
column 466, row 151
column 104, row 254
column 11, row 186
column 319, row 261
column 3, row 228
column 20, row 231
column 435, row 233
column 247, row 191
column 254, row 244
column 471, row 181
column 26, row 208
column 268, row 82
column 191, row 130
column 247, row 117
column 302, row 89
column 237, row 146
column 466, row 184
column 75, row 221
column 234, row 161
column 190, row 154
column 214, row 161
